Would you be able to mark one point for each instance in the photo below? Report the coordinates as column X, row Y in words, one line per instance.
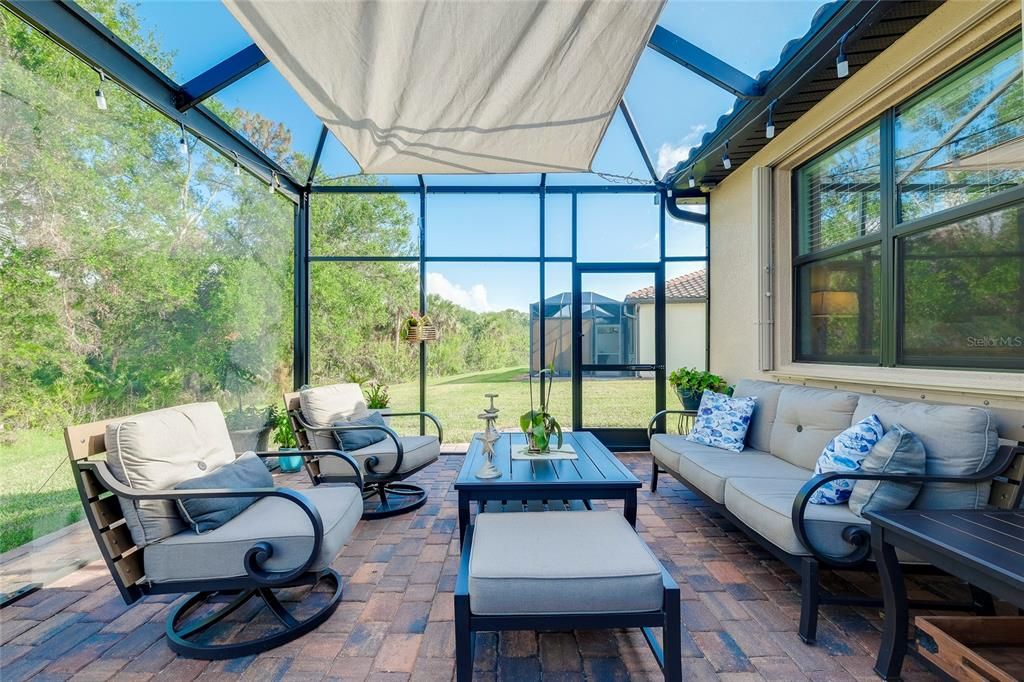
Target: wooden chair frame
column 101, row 493
column 385, row 493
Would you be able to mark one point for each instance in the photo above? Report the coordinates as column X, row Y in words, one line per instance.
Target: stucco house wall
column 949, row 36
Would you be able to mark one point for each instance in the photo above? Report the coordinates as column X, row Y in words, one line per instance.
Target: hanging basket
column 421, row 332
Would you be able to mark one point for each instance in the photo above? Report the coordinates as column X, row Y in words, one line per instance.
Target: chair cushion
column 325, row 405
column 766, row 506
column 957, row 440
column 220, row 553
column 206, row 513
column 416, row 451
column 899, row 452
column 806, row 420
column 156, row 451
column 707, row 468
column 759, row 434
column 358, row 439
column 721, row 421
column 561, row 562
column 845, row 452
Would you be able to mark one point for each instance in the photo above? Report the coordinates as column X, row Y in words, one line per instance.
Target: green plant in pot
column 538, row 424
column 285, row 439
column 690, row 384
column 378, row 399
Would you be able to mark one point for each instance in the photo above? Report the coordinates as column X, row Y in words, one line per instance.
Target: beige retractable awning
column 1008, row 155
column 457, row 86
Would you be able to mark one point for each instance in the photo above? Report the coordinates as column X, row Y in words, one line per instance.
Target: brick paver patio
column 739, row 611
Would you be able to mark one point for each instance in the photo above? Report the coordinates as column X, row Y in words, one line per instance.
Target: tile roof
column 688, row 287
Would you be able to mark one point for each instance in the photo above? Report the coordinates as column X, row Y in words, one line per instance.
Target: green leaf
column 526, row 421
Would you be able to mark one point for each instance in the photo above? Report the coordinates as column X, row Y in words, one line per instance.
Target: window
column 909, row 240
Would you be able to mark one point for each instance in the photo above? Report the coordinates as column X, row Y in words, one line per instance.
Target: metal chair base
column 381, row 500
column 181, row 636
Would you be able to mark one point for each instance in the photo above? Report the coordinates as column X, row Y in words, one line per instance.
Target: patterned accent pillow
column 846, row 452
column 721, row 421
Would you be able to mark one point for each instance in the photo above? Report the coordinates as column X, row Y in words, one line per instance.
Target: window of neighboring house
column 909, row 247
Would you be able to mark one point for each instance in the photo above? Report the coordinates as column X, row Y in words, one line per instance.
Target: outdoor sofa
column 765, row 489
column 135, row 474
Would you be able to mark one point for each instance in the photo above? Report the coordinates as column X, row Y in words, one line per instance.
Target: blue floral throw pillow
column 721, row 421
column 846, row 452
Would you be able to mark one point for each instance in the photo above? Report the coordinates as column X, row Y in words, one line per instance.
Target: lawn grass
column 30, row 505
column 457, row 400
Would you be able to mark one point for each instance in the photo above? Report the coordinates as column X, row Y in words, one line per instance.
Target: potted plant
column 418, row 328
column 538, row 425
column 690, row 384
column 285, row 439
column 378, row 399
column 249, row 428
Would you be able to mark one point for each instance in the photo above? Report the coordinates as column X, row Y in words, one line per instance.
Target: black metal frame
column 258, row 581
column 808, row 567
column 467, row 624
column 889, row 239
column 387, row 486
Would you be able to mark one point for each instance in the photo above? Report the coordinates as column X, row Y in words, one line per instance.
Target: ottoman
column 562, row 570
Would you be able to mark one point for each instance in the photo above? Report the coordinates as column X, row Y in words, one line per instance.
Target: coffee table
column 596, row 475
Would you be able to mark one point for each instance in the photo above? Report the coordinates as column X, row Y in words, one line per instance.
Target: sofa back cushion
column 759, row 434
column 327, row 405
column 958, row 440
column 806, row 420
column 158, row 450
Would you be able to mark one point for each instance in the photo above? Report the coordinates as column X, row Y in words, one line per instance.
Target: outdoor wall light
column 273, row 183
column 182, row 145
column 726, row 161
column 769, row 129
column 238, row 168
column 842, row 64
column 693, row 183
column 101, row 100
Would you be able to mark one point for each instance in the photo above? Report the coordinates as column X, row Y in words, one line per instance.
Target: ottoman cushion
column 561, row 562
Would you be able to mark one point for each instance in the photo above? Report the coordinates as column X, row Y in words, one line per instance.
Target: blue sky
column 672, row 107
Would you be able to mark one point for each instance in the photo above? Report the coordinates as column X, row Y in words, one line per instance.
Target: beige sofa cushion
column 561, row 562
column 806, row 420
column 416, row 451
column 759, row 433
column 220, row 553
column 325, row 405
column 958, row 440
column 766, row 506
column 707, row 468
column 156, row 451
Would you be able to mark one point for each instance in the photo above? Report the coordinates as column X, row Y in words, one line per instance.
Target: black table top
column 991, row 541
column 595, row 468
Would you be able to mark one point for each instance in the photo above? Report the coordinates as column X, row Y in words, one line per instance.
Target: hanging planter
column 418, row 328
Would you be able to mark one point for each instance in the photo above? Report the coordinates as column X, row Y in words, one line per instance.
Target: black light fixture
column 769, row 129
column 842, row 63
column 101, row 100
column 726, row 161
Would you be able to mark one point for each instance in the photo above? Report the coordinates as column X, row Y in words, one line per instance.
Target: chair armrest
column 858, row 535
column 655, row 418
column 437, row 422
column 257, row 555
column 371, row 461
column 310, row 454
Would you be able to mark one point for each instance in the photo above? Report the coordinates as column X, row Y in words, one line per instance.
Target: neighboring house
column 609, row 331
column 686, row 299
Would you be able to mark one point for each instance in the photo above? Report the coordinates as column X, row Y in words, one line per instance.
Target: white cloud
column 474, row 298
column 671, row 154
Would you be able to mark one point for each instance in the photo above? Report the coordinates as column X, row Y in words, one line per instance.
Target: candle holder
column 489, row 437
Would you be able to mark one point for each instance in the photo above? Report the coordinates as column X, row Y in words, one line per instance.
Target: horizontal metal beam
column 484, row 189
column 215, row 79
column 704, row 64
column 82, row 35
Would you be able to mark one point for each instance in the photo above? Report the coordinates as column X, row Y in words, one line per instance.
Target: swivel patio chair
column 283, row 539
column 319, row 414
